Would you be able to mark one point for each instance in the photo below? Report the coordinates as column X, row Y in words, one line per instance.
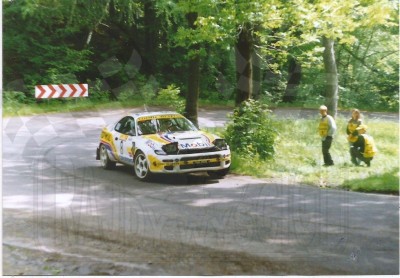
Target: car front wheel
column 141, row 166
column 105, row 161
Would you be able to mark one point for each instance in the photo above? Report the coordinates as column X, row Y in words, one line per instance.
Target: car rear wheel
column 105, row 161
column 141, row 166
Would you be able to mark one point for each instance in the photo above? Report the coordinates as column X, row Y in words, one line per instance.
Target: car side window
column 132, row 129
column 126, row 126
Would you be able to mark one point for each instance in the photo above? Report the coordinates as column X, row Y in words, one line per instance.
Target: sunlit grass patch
column 378, row 183
column 298, row 158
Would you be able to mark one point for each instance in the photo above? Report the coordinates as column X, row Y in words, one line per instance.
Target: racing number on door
column 121, row 147
column 122, row 140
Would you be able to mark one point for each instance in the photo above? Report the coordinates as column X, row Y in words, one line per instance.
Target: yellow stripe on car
column 168, row 116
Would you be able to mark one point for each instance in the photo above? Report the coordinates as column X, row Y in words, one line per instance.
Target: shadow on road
column 172, row 179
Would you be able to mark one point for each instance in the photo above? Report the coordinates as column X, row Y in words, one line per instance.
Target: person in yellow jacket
column 326, row 128
column 352, row 124
column 364, row 148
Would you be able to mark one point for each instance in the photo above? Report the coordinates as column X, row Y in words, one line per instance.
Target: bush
column 127, row 94
column 170, row 97
column 13, row 101
column 16, row 98
column 97, row 92
column 252, row 130
column 138, row 89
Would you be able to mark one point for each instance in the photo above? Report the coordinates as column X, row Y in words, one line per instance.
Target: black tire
column 218, row 174
column 105, row 161
column 141, row 166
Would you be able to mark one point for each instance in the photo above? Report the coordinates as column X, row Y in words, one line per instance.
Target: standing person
column 364, row 148
column 352, row 124
column 327, row 128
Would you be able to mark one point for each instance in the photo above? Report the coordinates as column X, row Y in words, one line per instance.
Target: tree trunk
column 244, row 49
column 332, row 83
column 192, row 95
column 151, row 37
column 293, row 81
column 257, row 75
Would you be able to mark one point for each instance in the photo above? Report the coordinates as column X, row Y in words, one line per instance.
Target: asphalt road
column 64, row 215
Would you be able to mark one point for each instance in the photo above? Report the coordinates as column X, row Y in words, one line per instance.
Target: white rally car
column 162, row 142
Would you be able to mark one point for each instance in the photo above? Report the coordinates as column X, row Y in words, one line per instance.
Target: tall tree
column 192, row 95
column 244, row 73
column 196, row 28
column 294, row 78
column 151, row 37
column 331, row 79
column 335, row 22
column 370, row 68
column 37, row 58
column 253, row 19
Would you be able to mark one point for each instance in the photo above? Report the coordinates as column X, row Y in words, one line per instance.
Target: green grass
column 57, row 106
column 378, row 183
column 298, row 158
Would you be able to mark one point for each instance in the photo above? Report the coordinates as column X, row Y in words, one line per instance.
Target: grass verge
column 379, row 183
column 57, row 106
column 68, row 105
column 298, row 158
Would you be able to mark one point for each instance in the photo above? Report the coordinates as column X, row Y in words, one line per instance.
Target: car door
column 123, row 137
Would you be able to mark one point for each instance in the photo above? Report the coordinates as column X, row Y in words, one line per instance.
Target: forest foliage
column 232, row 50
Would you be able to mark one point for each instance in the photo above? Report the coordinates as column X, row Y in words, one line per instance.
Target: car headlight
column 221, row 144
column 171, row 148
column 160, row 152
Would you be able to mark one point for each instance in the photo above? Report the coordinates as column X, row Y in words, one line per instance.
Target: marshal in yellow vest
column 370, row 148
column 323, row 127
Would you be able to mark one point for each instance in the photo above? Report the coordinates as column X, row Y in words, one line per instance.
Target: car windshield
column 162, row 125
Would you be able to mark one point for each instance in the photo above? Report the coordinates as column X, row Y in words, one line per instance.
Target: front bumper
column 211, row 161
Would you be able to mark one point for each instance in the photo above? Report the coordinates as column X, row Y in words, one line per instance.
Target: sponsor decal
column 106, row 139
column 158, row 139
column 200, row 161
column 105, row 135
column 111, row 149
column 123, row 137
column 194, row 145
column 151, row 144
column 206, row 138
column 167, row 116
column 167, row 138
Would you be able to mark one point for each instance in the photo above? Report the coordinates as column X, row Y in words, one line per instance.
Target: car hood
column 185, row 140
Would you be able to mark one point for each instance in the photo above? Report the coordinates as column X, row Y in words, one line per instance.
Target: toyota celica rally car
column 162, row 142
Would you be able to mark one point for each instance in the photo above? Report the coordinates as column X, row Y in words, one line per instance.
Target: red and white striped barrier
column 61, row 91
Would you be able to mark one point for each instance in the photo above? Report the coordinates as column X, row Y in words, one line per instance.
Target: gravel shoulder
column 121, row 254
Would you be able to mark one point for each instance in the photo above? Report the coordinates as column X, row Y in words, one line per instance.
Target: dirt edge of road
column 131, row 254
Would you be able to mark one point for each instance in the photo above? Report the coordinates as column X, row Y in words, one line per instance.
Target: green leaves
column 50, row 40
column 251, row 131
column 170, row 97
